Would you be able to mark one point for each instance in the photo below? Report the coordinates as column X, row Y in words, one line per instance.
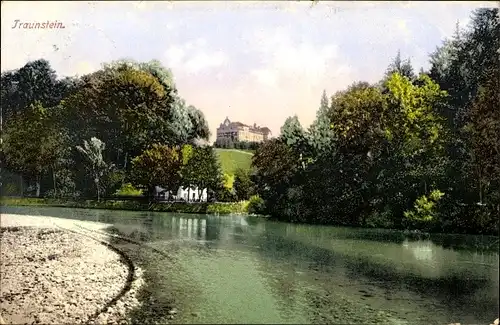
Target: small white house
column 188, row 194
column 191, row 194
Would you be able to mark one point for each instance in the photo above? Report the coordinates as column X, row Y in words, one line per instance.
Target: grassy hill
column 232, row 159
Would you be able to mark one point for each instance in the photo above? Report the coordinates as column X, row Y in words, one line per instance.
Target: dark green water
column 251, row 270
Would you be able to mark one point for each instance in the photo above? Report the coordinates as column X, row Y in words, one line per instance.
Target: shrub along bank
column 242, row 207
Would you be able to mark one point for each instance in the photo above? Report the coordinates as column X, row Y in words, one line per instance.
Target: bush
column 380, row 219
column 11, row 189
column 425, row 211
column 177, row 207
column 128, row 190
column 256, row 205
column 242, row 185
column 227, row 208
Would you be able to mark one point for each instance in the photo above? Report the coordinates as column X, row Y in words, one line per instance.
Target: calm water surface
column 250, row 270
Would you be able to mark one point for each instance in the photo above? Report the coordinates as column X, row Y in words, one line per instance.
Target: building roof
column 265, row 130
column 253, row 128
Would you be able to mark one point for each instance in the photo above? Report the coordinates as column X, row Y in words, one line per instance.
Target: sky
column 255, row 62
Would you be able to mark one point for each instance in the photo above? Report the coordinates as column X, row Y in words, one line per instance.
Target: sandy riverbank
column 54, row 275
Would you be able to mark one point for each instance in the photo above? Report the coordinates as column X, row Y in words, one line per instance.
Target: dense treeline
column 96, row 135
column 230, row 144
column 419, row 152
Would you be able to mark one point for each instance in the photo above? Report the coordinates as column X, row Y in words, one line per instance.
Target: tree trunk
column 98, row 191
column 125, row 161
column 54, row 180
column 37, row 186
column 480, row 191
column 22, row 185
column 151, row 193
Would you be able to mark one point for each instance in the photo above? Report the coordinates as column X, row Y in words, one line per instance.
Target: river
column 233, row 269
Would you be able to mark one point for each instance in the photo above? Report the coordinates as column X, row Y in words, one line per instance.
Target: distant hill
column 232, row 159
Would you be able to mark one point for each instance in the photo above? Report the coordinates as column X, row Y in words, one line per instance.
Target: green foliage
column 321, row 135
column 10, row 189
column 92, row 151
column 484, row 131
column 403, row 68
column 227, row 143
column 226, row 192
column 202, row 170
column 369, row 158
column 228, row 208
column 382, row 219
column 243, row 186
column 256, row 205
column 177, row 207
column 228, row 181
column 425, row 210
column 128, row 190
column 32, row 144
column 161, row 165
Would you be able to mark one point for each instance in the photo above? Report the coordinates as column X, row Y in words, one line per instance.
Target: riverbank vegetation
column 412, row 151
column 218, row 208
column 415, row 151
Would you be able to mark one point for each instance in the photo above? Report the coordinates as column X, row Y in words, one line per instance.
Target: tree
column 320, row 133
column 32, row 144
column 125, row 108
column 276, row 166
column 158, row 166
column 35, row 81
column 357, row 120
column 416, row 130
column 130, row 105
column 92, row 151
column 404, row 68
column 484, row 129
column 297, row 138
column 188, row 122
column 200, row 128
column 243, row 185
column 202, row 170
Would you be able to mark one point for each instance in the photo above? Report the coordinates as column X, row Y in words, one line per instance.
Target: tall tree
column 127, row 109
column 276, row 165
column 403, row 67
column 93, row 152
column 32, row 143
column 484, row 129
column 320, row 133
column 158, row 166
column 297, row 138
column 35, row 81
column 203, row 170
column 243, row 186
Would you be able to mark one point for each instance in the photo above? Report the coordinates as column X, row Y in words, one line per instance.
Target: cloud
column 289, row 62
column 194, row 57
column 402, row 26
column 266, row 77
column 204, row 60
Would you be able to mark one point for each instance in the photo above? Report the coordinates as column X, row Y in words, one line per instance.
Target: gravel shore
column 50, row 273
